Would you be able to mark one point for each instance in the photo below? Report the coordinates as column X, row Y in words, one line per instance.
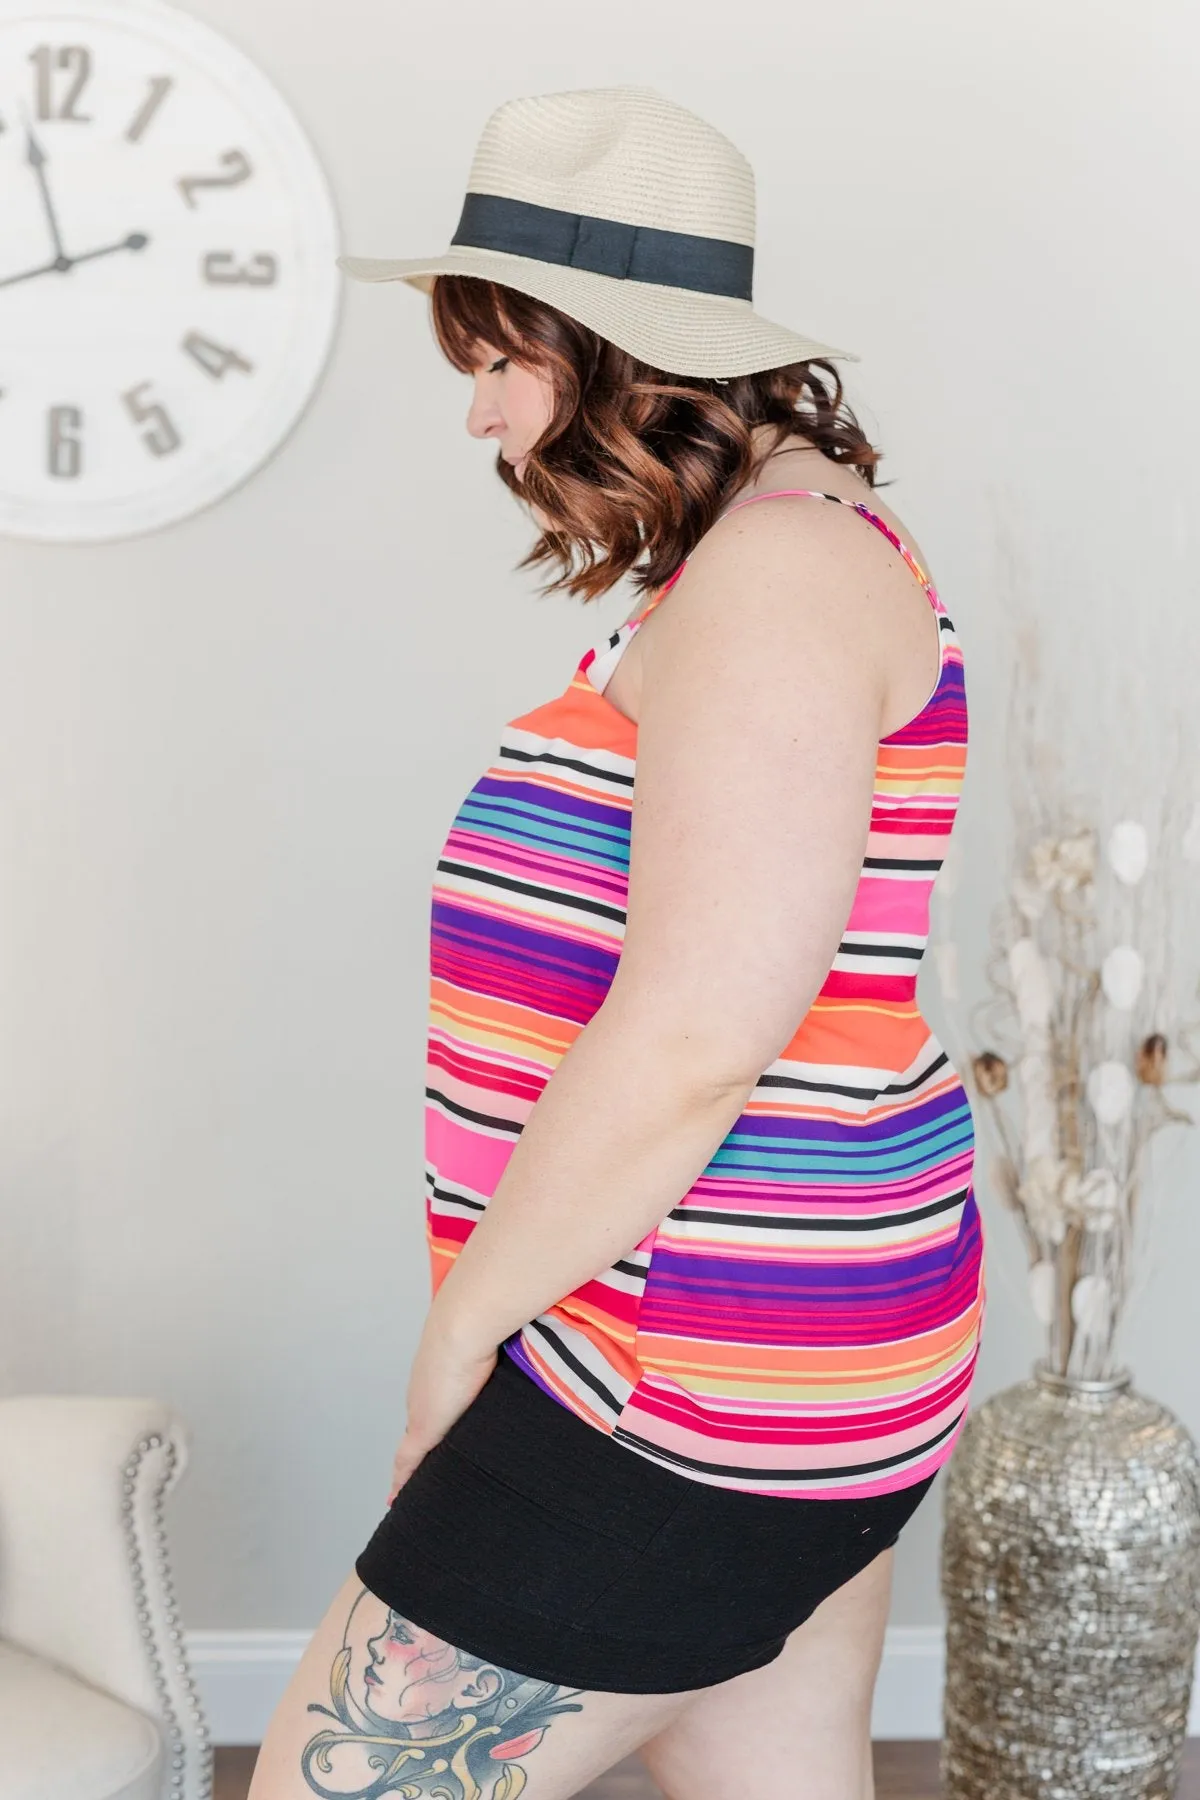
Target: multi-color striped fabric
column 806, row 1320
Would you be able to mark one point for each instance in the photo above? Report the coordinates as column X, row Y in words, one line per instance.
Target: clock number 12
column 75, row 57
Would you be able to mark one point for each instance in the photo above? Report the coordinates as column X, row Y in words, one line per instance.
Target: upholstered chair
column 96, row 1700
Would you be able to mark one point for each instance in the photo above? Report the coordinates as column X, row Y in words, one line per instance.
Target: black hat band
column 606, row 246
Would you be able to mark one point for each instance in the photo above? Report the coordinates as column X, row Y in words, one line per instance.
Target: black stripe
column 677, row 259
column 940, row 1061
column 855, row 1093
column 505, row 1126
column 821, row 1087
column 691, row 1462
column 489, row 878
column 584, row 1373
column 441, row 1193
column 910, row 950
column 564, row 762
column 768, row 1221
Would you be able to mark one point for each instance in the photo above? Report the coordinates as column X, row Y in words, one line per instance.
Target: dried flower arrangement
column 1074, row 1047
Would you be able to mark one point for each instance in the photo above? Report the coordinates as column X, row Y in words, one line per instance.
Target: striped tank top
column 806, row 1320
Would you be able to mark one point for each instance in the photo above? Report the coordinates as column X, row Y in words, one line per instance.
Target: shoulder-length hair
column 635, row 463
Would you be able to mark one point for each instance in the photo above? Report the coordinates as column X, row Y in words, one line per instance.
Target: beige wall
column 215, row 857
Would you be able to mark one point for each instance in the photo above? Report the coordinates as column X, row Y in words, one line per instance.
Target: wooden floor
column 903, row 1771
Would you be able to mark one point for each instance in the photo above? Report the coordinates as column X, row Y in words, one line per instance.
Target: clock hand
column 36, row 158
column 137, row 240
column 27, row 274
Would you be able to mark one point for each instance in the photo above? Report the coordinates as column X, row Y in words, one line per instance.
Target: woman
column 707, row 1265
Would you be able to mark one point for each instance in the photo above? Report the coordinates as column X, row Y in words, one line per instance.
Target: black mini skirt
column 531, row 1539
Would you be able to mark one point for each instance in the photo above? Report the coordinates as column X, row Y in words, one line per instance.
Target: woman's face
column 511, row 404
column 413, row 1676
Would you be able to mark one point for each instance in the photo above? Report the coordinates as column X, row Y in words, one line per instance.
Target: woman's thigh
column 799, row 1726
column 378, row 1706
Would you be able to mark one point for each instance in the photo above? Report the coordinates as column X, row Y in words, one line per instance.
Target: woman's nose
column 484, row 418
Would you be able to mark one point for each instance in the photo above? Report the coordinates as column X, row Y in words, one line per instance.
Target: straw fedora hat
column 626, row 212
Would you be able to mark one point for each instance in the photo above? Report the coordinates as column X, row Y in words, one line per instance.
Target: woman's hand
column 445, row 1379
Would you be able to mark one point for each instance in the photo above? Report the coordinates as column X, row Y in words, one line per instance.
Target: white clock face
column 168, row 279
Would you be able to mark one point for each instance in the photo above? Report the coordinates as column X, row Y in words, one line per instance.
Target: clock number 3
column 261, row 271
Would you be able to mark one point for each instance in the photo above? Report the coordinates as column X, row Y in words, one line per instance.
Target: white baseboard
column 241, row 1674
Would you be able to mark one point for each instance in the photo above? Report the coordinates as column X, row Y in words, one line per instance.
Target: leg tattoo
column 416, row 1717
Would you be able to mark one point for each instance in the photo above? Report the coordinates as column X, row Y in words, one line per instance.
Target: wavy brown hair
column 635, row 463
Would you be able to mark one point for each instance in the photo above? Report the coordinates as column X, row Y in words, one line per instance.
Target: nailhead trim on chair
column 178, row 1662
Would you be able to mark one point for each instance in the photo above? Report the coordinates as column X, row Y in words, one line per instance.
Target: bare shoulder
column 808, row 468
column 795, row 564
column 808, row 528
column 804, row 574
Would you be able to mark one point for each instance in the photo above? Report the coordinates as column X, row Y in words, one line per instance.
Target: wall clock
column 168, row 279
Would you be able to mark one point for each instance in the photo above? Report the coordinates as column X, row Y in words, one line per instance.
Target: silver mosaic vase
column 1070, row 1573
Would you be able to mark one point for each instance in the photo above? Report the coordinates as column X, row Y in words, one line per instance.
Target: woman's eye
column 501, row 362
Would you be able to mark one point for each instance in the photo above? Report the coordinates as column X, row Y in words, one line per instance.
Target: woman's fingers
column 440, row 1389
column 406, row 1459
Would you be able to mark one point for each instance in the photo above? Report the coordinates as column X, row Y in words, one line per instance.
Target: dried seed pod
column 1033, row 982
column 1151, row 1061
column 1091, row 1297
column 1100, row 1199
column 1043, row 1286
column 1110, row 1091
column 1121, row 977
column 991, row 1073
column 1128, row 851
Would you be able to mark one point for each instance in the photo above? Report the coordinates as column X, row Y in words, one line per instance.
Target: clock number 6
column 64, row 449
column 162, row 437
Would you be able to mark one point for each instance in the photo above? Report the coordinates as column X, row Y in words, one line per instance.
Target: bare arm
column 759, row 720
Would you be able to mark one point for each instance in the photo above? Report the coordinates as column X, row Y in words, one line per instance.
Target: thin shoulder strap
column 856, row 506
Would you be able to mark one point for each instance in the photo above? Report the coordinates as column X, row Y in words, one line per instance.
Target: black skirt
column 530, row 1539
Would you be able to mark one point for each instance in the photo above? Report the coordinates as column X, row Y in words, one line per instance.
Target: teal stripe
column 787, row 1160
column 611, row 848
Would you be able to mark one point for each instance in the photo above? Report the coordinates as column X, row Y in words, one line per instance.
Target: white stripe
column 543, row 904
column 585, row 1352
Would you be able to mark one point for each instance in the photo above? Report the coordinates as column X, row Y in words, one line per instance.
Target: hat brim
column 674, row 329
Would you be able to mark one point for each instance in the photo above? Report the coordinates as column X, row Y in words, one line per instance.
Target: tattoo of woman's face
column 415, row 1716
